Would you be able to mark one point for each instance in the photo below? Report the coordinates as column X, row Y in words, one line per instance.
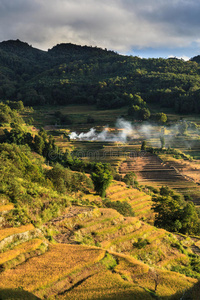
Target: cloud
column 183, row 57
column 121, row 25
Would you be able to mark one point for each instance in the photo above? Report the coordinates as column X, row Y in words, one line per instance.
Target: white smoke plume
column 125, row 130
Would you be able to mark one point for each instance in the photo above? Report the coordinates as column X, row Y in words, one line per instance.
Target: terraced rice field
column 109, row 230
column 140, row 202
column 17, row 244
column 30, row 267
column 151, row 170
column 19, row 249
column 80, row 272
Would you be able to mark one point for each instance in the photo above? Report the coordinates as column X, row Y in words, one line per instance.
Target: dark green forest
column 73, row 74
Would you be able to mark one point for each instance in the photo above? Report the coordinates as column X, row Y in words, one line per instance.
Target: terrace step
column 16, row 235
column 20, row 253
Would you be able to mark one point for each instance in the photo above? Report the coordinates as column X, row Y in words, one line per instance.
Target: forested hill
column 70, row 73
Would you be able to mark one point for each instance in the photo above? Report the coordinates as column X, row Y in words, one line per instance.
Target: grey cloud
column 116, row 24
column 180, row 16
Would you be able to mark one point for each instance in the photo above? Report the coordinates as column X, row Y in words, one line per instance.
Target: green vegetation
column 160, row 118
column 109, row 261
column 130, row 179
column 124, row 208
column 30, row 181
column 101, row 178
column 174, row 214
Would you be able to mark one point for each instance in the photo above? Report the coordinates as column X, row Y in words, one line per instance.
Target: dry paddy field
column 99, row 255
column 108, row 229
column 80, row 272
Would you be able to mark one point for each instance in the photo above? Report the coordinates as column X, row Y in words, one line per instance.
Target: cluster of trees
column 40, row 143
column 138, row 109
column 89, row 75
column 65, row 180
column 44, row 145
column 8, row 115
column 174, row 214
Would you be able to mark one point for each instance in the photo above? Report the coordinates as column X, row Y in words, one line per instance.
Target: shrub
column 141, row 243
column 124, row 208
column 109, row 261
column 130, row 179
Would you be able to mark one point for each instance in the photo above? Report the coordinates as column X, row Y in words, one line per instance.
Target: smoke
column 124, row 131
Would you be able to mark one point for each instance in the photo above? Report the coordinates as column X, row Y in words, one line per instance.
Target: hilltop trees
column 70, row 73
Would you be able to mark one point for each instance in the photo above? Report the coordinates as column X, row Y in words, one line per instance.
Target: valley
column 99, row 175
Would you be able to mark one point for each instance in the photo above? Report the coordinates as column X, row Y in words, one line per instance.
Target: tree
column 61, row 178
column 134, row 111
column 43, row 134
column 167, row 212
column 39, row 144
column 18, row 105
column 16, row 135
column 155, row 277
column 173, row 214
column 137, row 100
column 145, row 113
column 189, row 219
column 130, row 179
column 101, row 180
column 161, row 117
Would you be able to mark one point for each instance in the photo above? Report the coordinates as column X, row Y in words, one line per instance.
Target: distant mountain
column 70, row 73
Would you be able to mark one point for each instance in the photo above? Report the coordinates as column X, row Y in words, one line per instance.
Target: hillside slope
column 70, row 73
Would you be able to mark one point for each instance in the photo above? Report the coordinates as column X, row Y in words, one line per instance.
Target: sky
column 145, row 28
